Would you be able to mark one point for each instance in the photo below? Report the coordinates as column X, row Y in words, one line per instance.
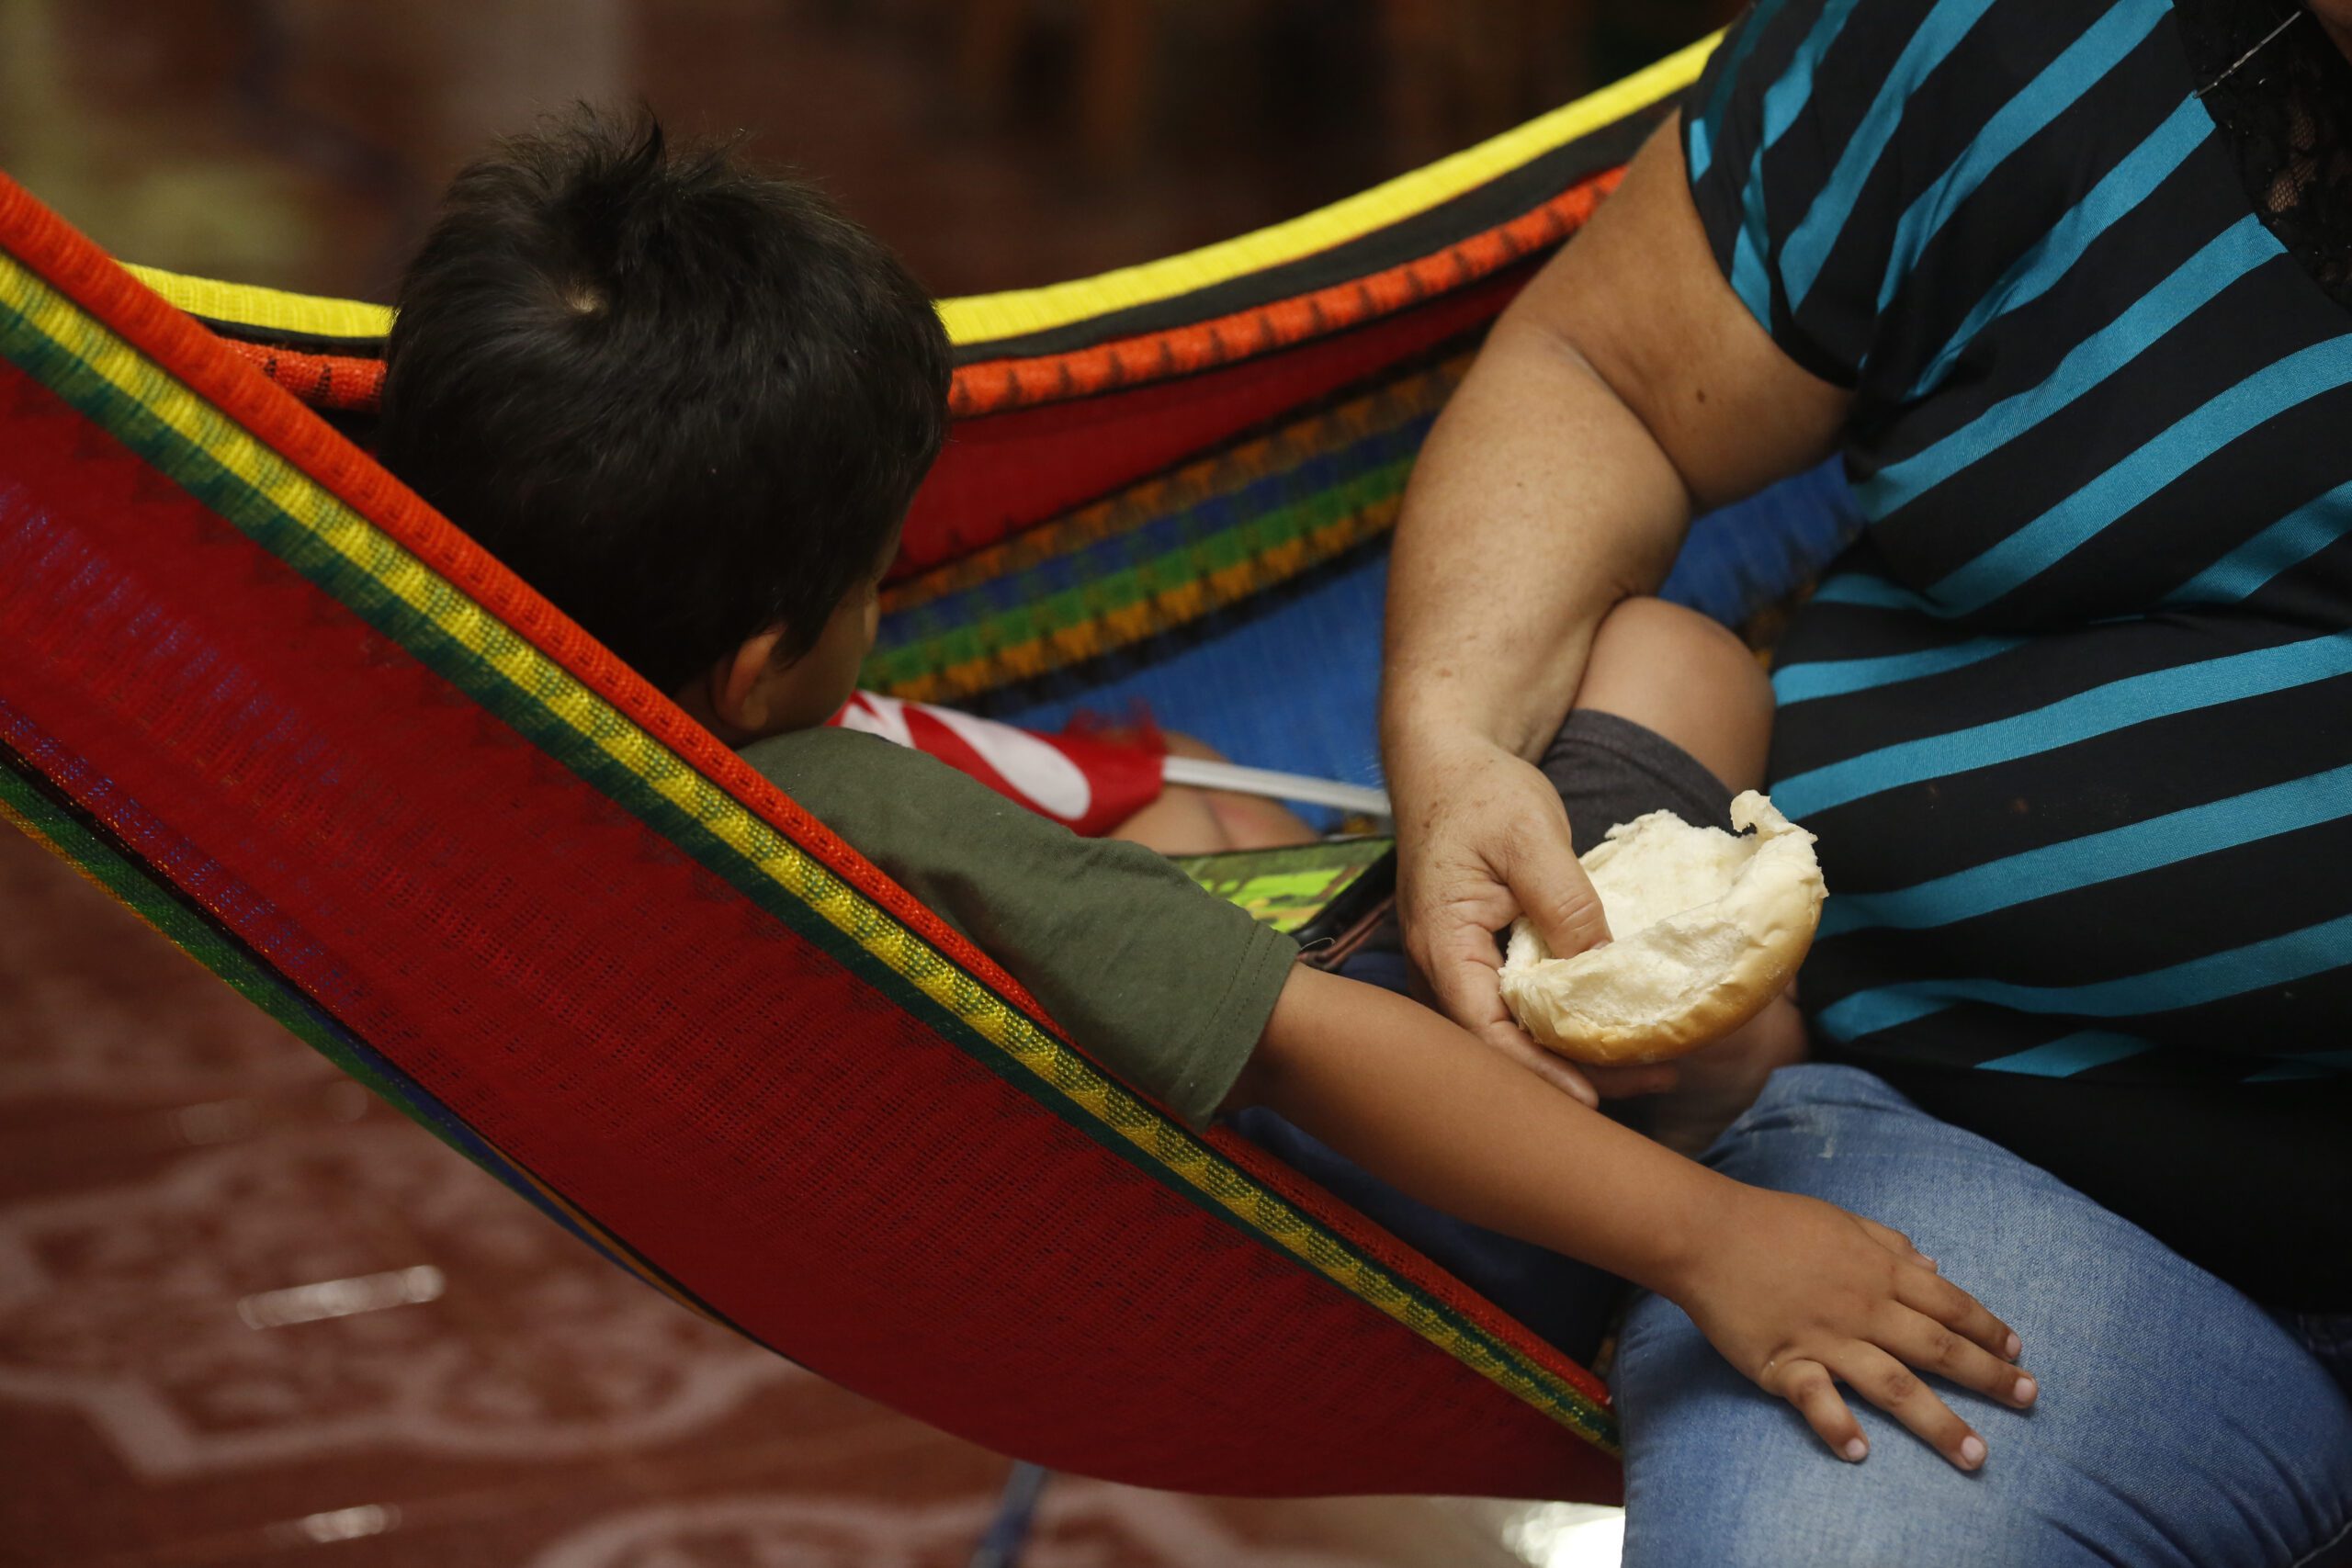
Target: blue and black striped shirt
column 2074, row 717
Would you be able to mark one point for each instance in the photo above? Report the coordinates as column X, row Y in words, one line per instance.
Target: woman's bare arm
column 1625, row 386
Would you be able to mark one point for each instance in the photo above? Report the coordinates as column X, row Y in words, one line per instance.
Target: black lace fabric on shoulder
column 2286, row 104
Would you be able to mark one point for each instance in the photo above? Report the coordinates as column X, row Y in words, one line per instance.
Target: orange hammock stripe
column 999, row 384
column 343, row 382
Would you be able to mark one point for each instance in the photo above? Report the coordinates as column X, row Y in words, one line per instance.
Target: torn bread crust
column 1709, row 928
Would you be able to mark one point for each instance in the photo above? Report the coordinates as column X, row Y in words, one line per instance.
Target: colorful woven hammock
column 257, row 690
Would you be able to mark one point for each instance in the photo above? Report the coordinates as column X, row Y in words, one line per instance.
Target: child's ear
column 741, row 686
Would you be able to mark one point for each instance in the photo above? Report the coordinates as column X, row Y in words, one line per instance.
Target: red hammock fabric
column 530, row 891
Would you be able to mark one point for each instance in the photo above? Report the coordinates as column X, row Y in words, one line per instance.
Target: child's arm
column 1794, row 1292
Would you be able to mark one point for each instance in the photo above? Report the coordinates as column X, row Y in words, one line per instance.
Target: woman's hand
column 1483, row 837
column 1801, row 1295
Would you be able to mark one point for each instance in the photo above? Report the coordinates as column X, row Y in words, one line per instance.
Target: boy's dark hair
column 684, row 401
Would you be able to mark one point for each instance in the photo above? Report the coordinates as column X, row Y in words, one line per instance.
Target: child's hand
column 1792, row 1292
column 1795, row 1292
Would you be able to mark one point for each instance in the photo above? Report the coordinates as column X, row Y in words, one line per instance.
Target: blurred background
column 996, row 143
column 246, row 1316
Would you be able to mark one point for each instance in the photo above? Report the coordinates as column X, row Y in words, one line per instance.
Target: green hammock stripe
column 1166, row 550
column 1068, row 1082
column 1192, row 501
column 936, row 648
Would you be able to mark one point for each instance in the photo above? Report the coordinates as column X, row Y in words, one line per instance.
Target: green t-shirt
column 1165, row 985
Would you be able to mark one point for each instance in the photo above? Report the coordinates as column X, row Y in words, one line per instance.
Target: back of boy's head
column 684, row 401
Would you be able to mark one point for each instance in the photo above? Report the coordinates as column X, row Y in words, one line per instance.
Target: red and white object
column 1089, row 784
column 1092, row 785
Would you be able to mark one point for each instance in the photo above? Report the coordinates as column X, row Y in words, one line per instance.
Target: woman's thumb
column 1559, row 901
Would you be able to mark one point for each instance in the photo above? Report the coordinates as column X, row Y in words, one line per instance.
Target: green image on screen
column 1286, row 887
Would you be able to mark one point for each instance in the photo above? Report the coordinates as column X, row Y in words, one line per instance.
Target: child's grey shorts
column 1609, row 770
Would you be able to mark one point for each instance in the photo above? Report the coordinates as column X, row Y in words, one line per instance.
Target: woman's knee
column 1690, row 679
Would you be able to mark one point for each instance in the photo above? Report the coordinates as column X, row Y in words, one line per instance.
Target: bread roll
column 1709, row 926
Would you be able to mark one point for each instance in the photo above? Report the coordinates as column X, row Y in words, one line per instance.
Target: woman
column 2068, row 284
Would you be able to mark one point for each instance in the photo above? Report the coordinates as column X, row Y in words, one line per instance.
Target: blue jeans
column 2178, row 1422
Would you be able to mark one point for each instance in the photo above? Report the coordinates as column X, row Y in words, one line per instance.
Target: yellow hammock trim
column 595, row 723
column 988, row 317
column 267, row 310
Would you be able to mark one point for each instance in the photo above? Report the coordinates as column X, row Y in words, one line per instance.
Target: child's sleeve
column 1165, row 985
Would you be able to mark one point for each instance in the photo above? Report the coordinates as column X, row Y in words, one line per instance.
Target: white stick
column 1274, row 786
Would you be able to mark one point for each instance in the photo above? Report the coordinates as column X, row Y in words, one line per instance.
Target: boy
column 691, row 405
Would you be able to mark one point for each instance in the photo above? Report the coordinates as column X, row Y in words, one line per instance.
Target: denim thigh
column 2178, row 1423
